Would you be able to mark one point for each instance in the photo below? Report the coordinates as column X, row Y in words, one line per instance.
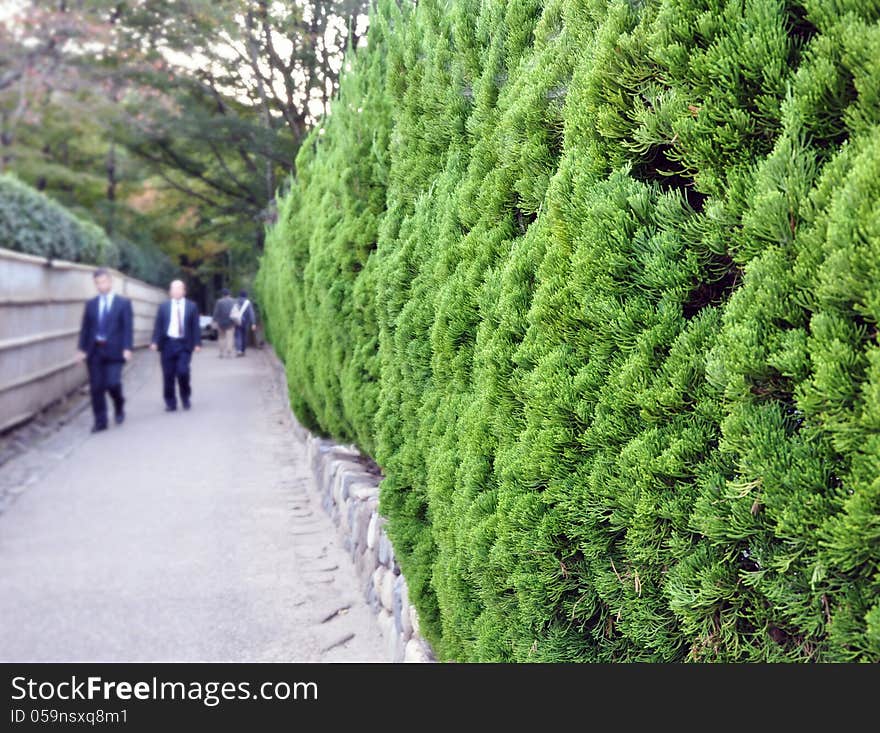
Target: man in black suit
column 176, row 335
column 105, row 344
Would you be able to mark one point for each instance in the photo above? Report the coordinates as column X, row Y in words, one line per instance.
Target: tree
column 197, row 108
column 239, row 84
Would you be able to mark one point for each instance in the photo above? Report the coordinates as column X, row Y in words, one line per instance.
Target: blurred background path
column 177, row 536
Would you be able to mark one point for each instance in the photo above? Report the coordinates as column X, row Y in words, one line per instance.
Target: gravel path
column 190, row 536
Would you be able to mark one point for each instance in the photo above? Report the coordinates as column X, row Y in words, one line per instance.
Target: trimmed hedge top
column 596, row 283
column 36, row 224
column 33, row 223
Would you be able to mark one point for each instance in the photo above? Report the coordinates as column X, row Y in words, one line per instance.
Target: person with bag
column 223, row 322
column 244, row 316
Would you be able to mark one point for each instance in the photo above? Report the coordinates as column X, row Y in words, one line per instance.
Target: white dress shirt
column 177, row 322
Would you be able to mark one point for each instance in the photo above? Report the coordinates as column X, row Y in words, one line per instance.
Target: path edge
column 348, row 485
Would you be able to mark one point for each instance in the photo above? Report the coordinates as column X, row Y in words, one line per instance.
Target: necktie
column 180, row 319
column 102, row 316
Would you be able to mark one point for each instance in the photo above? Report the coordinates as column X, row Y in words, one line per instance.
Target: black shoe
column 186, row 405
column 170, row 408
column 120, row 417
column 97, row 428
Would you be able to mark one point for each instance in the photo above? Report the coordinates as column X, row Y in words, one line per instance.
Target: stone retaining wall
column 349, row 492
column 348, row 484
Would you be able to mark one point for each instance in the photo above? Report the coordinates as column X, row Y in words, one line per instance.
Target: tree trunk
column 111, row 188
column 6, row 143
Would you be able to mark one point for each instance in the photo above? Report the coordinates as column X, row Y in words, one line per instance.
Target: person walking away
column 176, row 336
column 223, row 322
column 105, row 344
column 244, row 315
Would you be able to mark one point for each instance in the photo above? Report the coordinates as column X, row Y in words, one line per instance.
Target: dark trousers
column 241, row 337
column 175, row 367
column 105, row 375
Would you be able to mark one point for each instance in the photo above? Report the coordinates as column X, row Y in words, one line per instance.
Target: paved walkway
column 190, row 536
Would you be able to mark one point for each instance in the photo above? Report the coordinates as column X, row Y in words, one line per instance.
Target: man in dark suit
column 105, row 344
column 176, row 335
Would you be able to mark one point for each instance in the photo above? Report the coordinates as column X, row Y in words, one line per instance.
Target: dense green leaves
column 33, row 223
column 596, row 285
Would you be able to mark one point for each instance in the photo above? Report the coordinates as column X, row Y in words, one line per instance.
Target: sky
column 8, row 7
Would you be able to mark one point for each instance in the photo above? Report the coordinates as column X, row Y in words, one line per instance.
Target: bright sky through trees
column 195, row 109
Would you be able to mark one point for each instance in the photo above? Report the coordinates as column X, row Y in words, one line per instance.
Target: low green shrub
column 33, row 223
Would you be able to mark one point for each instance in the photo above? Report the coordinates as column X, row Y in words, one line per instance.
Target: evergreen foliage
column 595, row 282
column 34, row 223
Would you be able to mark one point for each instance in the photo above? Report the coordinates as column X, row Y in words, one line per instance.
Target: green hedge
column 33, row 223
column 597, row 284
column 36, row 224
